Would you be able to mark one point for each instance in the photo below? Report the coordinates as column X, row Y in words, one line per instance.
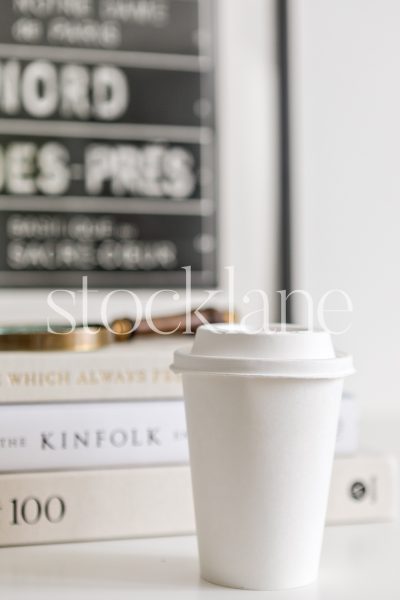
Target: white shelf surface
column 360, row 561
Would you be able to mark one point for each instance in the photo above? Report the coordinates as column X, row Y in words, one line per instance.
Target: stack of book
column 93, row 446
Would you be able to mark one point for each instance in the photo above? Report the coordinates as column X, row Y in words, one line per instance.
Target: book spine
column 52, row 436
column 73, row 376
column 348, row 426
column 87, row 435
column 88, row 505
column 364, row 489
column 127, row 503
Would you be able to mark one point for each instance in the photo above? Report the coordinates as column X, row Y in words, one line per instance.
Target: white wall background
column 249, row 143
column 346, row 112
column 247, row 136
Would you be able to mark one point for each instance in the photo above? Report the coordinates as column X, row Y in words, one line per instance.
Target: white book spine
column 127, row 503
column 87, row 435
column 87, row 505
column 52, row 436
column 123, row 371
column 348, row 426
column 364, row 489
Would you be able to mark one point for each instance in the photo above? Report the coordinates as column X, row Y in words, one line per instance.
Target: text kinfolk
column 100, row 438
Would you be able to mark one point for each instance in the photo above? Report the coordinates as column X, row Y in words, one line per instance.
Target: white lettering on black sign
column 106, row 142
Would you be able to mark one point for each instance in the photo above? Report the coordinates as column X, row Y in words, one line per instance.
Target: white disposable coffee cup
column 262, row 412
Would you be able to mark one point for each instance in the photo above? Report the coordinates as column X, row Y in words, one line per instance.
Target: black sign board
column 107, row 143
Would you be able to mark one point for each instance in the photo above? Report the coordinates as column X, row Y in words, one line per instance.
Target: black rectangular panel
column 107, row 132
column 140, row 25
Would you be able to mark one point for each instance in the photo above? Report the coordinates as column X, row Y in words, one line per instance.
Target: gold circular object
column 122, row 329
column 81, row 339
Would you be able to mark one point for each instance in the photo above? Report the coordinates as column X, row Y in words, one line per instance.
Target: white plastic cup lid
column 281, row 351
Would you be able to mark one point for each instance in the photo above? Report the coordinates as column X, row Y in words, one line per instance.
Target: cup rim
column 337, row 367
